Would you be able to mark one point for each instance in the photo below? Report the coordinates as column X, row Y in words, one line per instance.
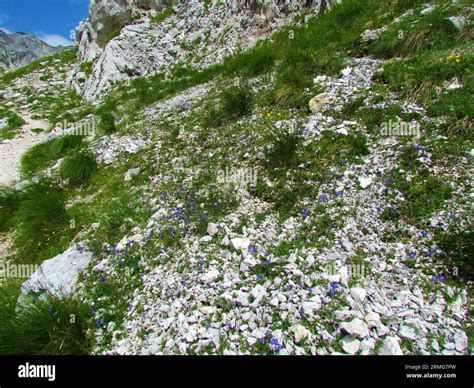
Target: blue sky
column 51, row 20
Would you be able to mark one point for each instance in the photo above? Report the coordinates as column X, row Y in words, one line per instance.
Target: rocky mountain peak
column 19, row 49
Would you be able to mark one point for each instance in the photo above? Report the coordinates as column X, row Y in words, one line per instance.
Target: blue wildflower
column 324, row 198
column 305, row 213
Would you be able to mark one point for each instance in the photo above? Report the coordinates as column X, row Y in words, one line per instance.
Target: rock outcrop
column 122, row 39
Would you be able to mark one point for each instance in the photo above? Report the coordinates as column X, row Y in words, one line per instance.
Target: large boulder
column 58, row 276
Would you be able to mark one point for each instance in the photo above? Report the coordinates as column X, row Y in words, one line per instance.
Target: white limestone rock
column 58, row 276
column 390, row 347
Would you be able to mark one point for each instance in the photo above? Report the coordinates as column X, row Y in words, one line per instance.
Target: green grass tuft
column 9, row 203
column 50, row 327
column 458, row 246
column 78, row 168
column 42, row 155
column 234, row 102
column 41, row 222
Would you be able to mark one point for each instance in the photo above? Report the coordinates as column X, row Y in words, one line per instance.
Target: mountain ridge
column 20, row 48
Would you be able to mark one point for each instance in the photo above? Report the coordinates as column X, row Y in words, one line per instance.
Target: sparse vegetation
column 329, row 187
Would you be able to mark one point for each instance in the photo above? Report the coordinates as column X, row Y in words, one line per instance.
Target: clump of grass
column 163, row 15
column 282, row 148
column 14, row 122
column 457, row 106
column 111, row 35
column 107, row 123
column 41, row 155
column 358, row 144
column 421, row 77
column 41, row 222
column 50, row 327
column 252, row 62
column 404, row 5
column 9, row 203
column 64, row 144
column 289, row 90
column 234, row 102
column 78, row 168
column 458, row 246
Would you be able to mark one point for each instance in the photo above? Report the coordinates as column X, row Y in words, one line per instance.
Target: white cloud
column 56, row 40
column 6, row 30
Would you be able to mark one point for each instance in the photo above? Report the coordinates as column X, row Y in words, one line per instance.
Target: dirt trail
column 12, row 150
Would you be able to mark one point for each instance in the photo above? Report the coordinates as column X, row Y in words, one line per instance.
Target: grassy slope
column 418, row 65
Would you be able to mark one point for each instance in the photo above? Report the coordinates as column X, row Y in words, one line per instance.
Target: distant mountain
column 19, row 49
